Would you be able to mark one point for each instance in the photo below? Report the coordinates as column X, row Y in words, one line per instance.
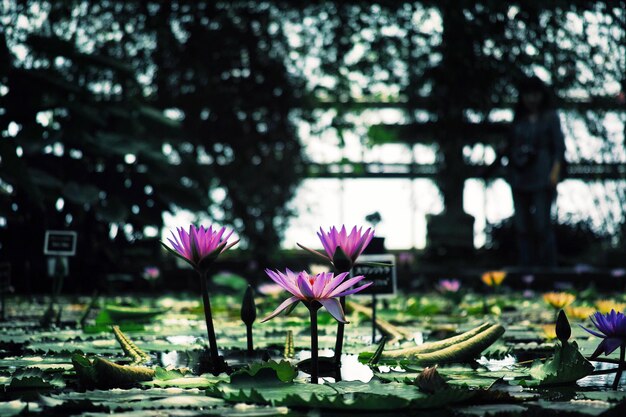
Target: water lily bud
column 563, row 329
column 429, row 381
column 248, row 307
column 341, row 261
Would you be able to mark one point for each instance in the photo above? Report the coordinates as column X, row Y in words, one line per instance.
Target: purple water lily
column 315, row 291
column 199, row 246
column 342, row 250
column 324, row 288
column 351, row 244
column 612, row 328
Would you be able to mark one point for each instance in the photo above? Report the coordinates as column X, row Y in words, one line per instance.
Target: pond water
column 176, row 339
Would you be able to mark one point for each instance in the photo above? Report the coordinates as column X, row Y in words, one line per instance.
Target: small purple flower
column 200, row 245
column 352, row 244
column 612, row 327
column 449, row 285
column 324, row 288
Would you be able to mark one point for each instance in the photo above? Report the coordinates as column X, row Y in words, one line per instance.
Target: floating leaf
column 264, row 373
column 141, row 313
column 567, row 366
column 33, row 379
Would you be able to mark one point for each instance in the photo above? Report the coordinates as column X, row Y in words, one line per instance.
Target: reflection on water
column 184, row 340
column 418, row 338
column 601, row 380
column 351, row 368
column 179, row 359
column 497, row 364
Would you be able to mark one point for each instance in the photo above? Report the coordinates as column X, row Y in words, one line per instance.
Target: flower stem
column 249, row 339
column 208, row 317
column 620, row 366
column 340, row 332
column 314, row 349
column 373, row 318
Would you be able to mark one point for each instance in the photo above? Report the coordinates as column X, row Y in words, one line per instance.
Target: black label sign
column 381, row 271
column 60, row 243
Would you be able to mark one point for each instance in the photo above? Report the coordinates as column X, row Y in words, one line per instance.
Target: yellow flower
column 605, row 306
column 580, row 313
column 493, row 278
column 559, row 299
column 549, row 331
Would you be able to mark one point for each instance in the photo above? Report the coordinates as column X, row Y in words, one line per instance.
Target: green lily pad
column 126, row 313
column 567, row 366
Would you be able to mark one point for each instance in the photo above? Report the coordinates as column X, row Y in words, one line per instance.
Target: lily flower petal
column 334, row 308
column 199, row 245
column 324, row 288
column 289, row 301
column 611, row 328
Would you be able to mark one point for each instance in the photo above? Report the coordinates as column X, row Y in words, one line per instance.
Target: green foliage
column 274, row 388
column 425, row 306
column 125, row 119
column 352, row 395
column 264, row 373
column 135, row 314
column 33, row 379
column 233, row 282
column 567, row 366
column 167, row 374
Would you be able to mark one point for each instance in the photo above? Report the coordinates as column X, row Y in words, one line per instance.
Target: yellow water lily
column 493, row 278
column 559, row 299
column 549, row 331
column 580, row 313
column 605, row 306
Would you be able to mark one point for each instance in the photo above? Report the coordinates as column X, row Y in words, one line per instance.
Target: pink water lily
column 351, row 244
column 449, row 285
column 199, row 245
column 324, row 288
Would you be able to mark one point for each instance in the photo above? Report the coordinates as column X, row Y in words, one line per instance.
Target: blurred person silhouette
column 535, row 151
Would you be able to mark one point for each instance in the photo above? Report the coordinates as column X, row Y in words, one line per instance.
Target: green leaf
column 264, row 373
column 345, row 395
column 567, row 366
column 167, row 374
column 187, row 382
column 34, row 379
column 381, row 134
column 141, row 313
